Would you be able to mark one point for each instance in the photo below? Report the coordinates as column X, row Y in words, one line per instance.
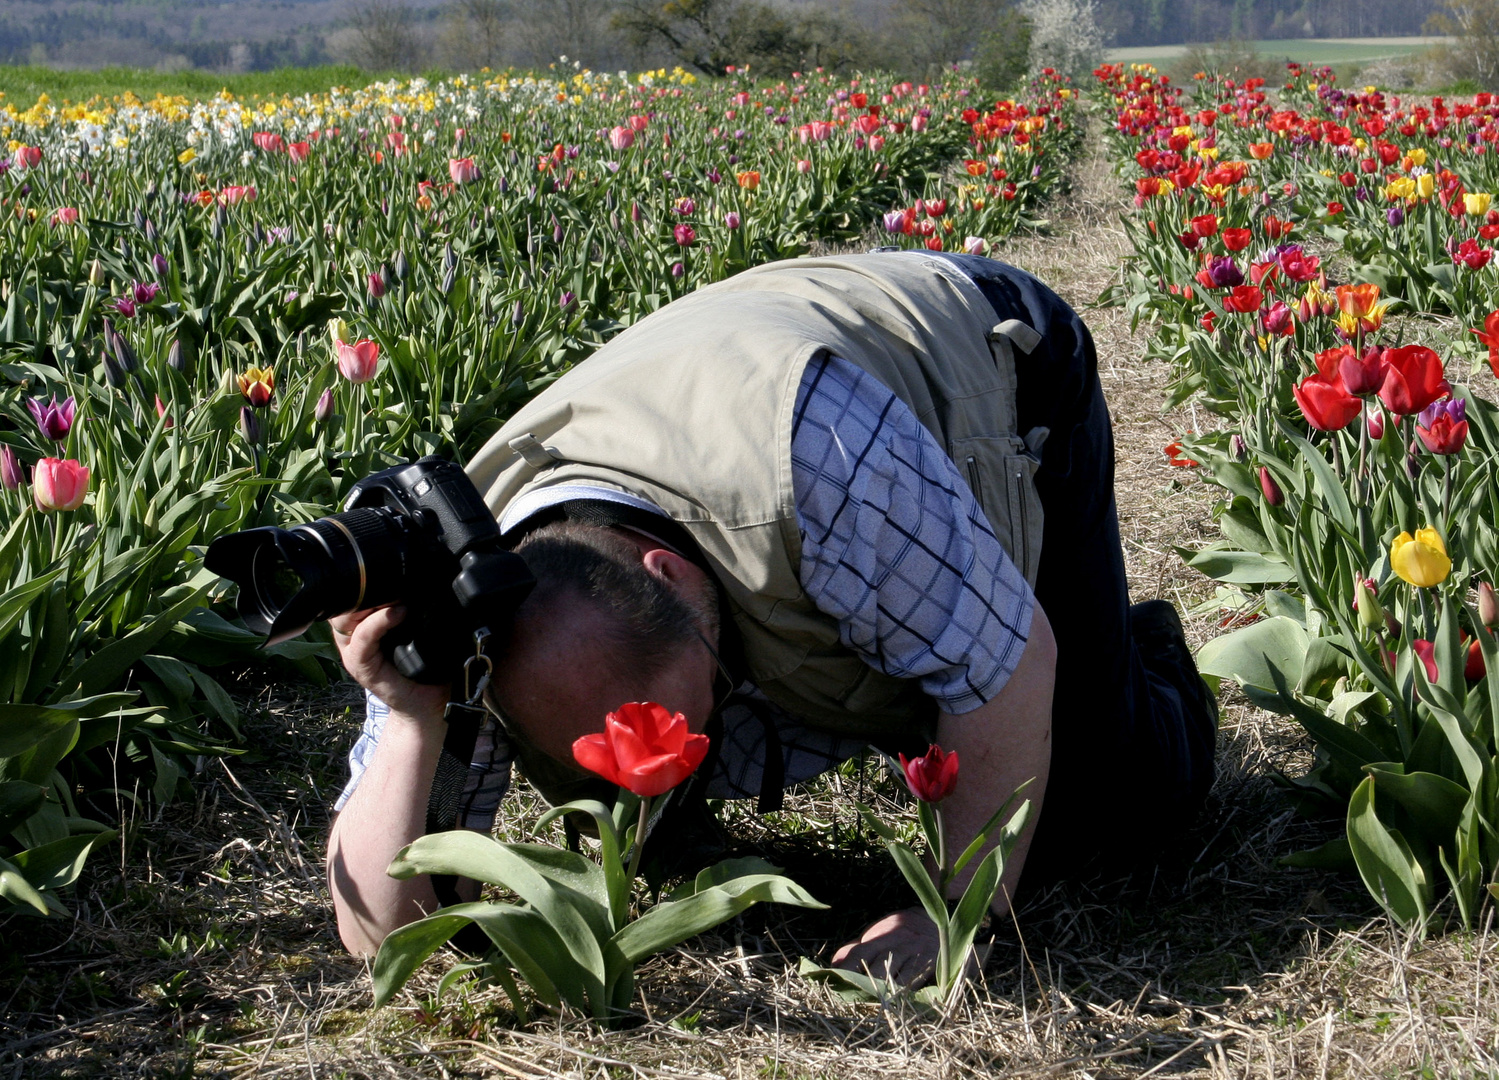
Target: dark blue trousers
column 1132, row 744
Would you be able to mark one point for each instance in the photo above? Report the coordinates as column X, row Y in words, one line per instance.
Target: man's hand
column 357, row 636
column 906, row 941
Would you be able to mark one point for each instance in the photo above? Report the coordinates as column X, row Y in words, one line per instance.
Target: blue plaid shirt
column 894, row 547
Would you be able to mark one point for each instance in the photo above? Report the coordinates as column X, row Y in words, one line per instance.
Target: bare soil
column 205, row 946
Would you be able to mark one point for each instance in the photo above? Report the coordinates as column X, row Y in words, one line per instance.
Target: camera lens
column 291, row 578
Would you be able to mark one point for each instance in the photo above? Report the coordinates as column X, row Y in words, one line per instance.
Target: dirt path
column 209, row 950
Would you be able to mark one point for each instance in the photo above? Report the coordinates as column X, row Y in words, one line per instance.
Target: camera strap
column 464, row 714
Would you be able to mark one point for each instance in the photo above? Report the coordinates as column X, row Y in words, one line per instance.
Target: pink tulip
column 638, row 123
column 685, row 235
column 268, row 141
column 357, row 362
column 803, row 166
column 28, row 157
column 463, row 170
column 162, row 414
column 975, row 245
column 58, row 484
column 377, row 286
column 621, row 138
column 731, row 219
column 236, row 193
column 298, row 151
column 65, row 215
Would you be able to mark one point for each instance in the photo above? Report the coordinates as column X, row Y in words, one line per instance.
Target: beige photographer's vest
column 691, row 409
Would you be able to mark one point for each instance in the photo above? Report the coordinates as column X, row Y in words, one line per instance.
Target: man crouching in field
column 826, row 504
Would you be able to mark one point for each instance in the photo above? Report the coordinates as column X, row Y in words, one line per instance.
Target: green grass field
column 1337, row 51
column 22, row 85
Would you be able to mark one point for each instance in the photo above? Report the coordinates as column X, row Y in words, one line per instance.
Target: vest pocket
column 1001, row 474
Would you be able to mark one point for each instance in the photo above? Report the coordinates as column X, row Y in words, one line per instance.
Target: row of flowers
column 1358, row 547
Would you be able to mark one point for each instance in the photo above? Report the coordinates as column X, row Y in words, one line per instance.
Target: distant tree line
column 1161, row 22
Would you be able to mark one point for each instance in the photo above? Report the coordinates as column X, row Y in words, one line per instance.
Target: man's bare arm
column 1001, row 744
column 388, row 809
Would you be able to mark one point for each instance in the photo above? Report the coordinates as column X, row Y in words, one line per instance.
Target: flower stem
column 944, row 948
column 645, row 815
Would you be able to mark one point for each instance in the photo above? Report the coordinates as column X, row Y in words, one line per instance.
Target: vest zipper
column 1025, row 532
column 973, row 480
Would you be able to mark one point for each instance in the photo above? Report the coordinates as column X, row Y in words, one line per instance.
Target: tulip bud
column 11, row 473
column 340, row 331
column 150, row 231
column 1366, row 603
column 175, row 359
column 1376, row 424
column 96, row 274
column 678, row 269
column 518, row 315
column 400, row 266
column 376, row 286
column 124, row 354
column 1237, row 447
column 1488, row 605
column 250, row 245
column 324, row 407
column 249, row 424
column 635, row 214
column 139, row 217
column 113, row 375
column 449, row 256
column 1392, row 624
column 449, row 277
column 557, row 233
column 161, row 413
column 1273, row 494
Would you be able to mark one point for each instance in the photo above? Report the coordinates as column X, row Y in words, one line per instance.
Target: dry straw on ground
column 206, row 946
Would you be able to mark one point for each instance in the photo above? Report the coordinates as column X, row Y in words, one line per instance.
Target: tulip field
column 1317, row 263
column 218, row 314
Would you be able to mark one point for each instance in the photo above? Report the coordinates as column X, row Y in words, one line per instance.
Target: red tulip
column 1474, row 668
column 1325, row 403
column 1204, row 225
column 1237, row 239
column 1413, row 379
column 299, row 151
column 28, row 157
column 643, row 748
column 1443, row 426
column 58, row 484
column 1272, row 492
column 1244, row 299
column 1363, row 376
column 1471, row 255
column 932, row 776
column 1489, row 335
column 1428, row 654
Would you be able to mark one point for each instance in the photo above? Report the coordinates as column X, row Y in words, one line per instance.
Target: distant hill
column 255, row 35
column 235, row 35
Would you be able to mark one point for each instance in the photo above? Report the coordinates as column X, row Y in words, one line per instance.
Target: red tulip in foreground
column 59, row 484
column 932, row 776
column 643, row 748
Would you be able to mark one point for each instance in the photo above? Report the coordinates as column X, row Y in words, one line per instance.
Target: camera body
column 419, row 535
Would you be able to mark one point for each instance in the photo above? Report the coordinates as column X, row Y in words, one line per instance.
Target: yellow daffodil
column 1420, row 561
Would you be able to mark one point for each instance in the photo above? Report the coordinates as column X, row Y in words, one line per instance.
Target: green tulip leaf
column 671, row 923
column 1385, row 861
column 1260, row 655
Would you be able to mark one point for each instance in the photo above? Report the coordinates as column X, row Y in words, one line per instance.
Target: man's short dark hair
column 645, row 622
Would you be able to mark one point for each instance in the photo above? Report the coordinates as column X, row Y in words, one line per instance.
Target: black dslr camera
column 417, row 534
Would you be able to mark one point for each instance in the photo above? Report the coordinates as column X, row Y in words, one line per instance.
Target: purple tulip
column 566, row 301
column 145, row 291
column 324, row 408
column 54, row 420
column 249, row 425
column 160, row 264
column 11, row 473
column 895, row 221
column 125, row 306
column 1224, row 272
column 678, row 269
column 1395, row 215
column 731, row 219
column 1455, row 409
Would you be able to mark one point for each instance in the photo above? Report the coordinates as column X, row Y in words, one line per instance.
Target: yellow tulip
column 1421, row 561
column 1477, row 203
column 1417, row 155
column 1426, row 185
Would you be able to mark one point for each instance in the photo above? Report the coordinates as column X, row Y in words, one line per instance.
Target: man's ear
column 668, row 566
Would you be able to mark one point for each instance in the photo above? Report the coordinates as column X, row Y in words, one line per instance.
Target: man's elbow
column 1041, row 645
